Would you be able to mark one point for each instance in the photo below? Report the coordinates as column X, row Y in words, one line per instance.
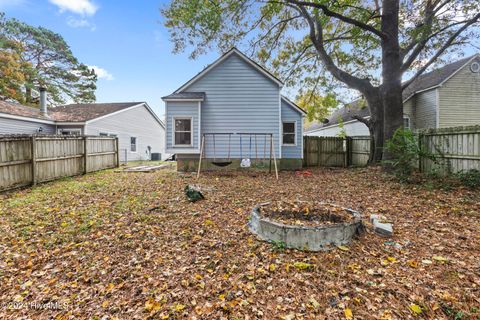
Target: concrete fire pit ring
column 308, row 238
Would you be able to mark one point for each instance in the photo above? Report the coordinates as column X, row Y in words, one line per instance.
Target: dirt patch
column 305, row 213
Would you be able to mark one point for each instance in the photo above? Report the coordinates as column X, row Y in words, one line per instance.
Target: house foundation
column 189, row 163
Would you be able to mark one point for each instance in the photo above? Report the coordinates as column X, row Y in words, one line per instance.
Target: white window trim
column 407, row 117
column 294, row 132
column 136, row 144
column 191, row 132
column 76, row 130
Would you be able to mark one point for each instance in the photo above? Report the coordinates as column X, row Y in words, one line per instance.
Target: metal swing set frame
column 228, row 161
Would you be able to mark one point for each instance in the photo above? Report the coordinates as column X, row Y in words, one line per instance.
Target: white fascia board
column 143, row 104
column 67, row 123
column 334, row 125
column 223, row 58
column 290, row 103
column 458, row 70
column 182, row 151
column 182, row 100
column 446, row 79
column 15, row 117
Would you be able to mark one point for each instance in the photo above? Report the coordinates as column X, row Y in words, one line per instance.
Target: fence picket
column 26, row 159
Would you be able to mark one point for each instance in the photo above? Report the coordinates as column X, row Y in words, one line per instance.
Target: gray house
column 445, row 97
column 140, row 132
column 236, row 105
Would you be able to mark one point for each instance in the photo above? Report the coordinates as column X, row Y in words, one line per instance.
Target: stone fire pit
column 305, row 226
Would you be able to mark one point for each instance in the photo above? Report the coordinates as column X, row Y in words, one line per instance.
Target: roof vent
column 475, row 67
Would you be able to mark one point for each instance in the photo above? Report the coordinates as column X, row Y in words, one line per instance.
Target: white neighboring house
column 445, row 97
column 139, row 130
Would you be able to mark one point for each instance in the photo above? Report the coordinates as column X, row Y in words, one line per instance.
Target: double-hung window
column 289, row 135
column 182, row 131
column 133, row 144
column 406, row 122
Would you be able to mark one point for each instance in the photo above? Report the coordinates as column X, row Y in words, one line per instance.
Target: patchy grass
column 130, row 246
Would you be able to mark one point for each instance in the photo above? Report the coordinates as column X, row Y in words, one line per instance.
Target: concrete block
column 383, row 229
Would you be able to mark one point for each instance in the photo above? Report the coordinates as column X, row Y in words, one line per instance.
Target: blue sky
column 126, row 39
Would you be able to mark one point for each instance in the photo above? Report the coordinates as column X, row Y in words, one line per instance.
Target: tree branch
column 316, row 37
column 446, row 45
column 339, row 16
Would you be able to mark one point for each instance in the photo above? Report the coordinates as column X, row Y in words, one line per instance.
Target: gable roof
column 294, row 105
column 436, row 77
column 347, row 113
column 82, row 112
column 424, row 82
column 222, row 58
column 16, row 109
column 78, row 113
column 182, row 96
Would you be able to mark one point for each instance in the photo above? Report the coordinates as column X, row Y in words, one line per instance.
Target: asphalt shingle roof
column 83, row 112
column 17, row 109
column 67, row 113
column 425, row 81
column 186, row 95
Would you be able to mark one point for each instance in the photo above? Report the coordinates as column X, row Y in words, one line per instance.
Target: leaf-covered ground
column 129, row 246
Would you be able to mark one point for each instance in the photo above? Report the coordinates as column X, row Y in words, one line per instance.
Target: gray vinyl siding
column 289, row 114
column 425, row 110
column 13, row 126
column 239, row 99
column 182, row 110
column 460, row 99
column 408, row 108
column 137, row 122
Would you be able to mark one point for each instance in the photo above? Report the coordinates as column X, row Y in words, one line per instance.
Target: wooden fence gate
column 335, row 151
column 324, row 152
column 26, row 160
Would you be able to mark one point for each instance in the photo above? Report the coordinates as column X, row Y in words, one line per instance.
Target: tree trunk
column 375, row 125
column 28, row 94
column 391, row 88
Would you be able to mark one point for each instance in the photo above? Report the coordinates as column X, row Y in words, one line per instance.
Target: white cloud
column 102, row 73
column 82, row 7
column 80, row 23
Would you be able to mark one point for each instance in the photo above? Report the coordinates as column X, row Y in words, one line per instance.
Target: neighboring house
column 140, row 132
column 233, row 95
column 445, row 97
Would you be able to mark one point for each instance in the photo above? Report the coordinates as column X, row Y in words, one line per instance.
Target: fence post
column 319, row 151
column 85, row 154
column 348, row 150
column 118, row 151
column 305, row 150
column 420, row 135
column 34, row 160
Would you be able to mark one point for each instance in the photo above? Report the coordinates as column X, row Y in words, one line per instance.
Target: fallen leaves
column 440, row 259
column 348, row 314
column 416, row 309
column 94, row 242
column 303, row 266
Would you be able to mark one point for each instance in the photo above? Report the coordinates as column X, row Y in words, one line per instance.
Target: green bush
column 470, row 178
column 405, row 153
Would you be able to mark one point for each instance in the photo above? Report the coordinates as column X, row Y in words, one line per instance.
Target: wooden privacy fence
column 335, row 151
column 455, row 149
column 27, row 160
